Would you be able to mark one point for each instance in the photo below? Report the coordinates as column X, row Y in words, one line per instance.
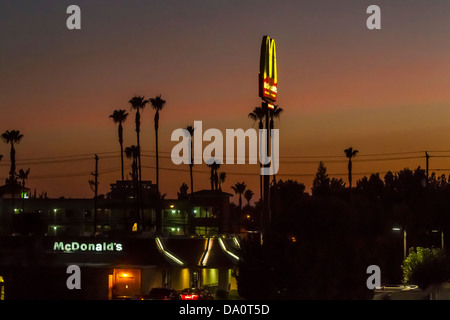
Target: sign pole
column 266, row 199
column 268, row 89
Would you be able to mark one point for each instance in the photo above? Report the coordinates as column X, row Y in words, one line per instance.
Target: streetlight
column 404, row 239
column 442, row 238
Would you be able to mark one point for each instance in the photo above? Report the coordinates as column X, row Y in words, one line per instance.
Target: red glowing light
column 189, row 296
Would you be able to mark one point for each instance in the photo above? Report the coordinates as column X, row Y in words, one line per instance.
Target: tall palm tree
column 157, row 104
column 258, row 115
column 350, row 153
column 119, row 116
column 239, row 188
column 12, row 137
column 190, row 129
column 23, row 175
column 138, row 103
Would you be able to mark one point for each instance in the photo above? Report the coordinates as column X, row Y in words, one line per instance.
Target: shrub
column 425, row 267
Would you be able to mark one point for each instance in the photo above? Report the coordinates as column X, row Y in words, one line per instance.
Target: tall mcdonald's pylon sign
column 268, row 70
column 268, row 93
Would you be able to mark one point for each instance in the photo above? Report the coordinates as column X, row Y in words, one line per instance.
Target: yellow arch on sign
column 268, row 65
column 268, row 76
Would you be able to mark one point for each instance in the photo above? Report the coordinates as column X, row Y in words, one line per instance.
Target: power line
column 74, row 174
column 341, row 158
column 115, row 154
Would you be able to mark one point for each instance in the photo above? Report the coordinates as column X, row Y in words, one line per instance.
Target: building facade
column 117, row 243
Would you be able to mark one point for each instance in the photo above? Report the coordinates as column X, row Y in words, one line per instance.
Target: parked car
column 162, row 294
column 196, row 294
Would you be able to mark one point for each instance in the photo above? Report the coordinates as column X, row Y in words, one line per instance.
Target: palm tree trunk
column 157, row 159
column 138, row 129
column 12, row 173
column 192, row 179
column 136, row 189
column 216, row 180
column 121, row 147
column 191, row 164
column 23, row 193
column 212, row 178
column 139, row 168
column 13, row 163
column 261, row 126
column 350, row 172
column 240, row 202
column 158, row 206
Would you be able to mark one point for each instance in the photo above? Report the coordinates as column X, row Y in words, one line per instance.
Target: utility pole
column 427, row 157
column 94, row 187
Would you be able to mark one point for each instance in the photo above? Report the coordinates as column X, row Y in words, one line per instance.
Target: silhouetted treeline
column 321, row 244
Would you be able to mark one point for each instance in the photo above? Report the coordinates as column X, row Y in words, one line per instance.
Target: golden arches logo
column 268, row 70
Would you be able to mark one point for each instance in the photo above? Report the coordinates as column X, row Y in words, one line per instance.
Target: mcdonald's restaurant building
column 36, row 267
column 41, row 237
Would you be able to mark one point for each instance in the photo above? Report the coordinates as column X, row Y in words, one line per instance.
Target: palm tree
column 138, row 103
column 23, row 175
column 350, row 153
column 132, row 152
column 182, row 194
column 158, row 105
column 12, row 137
column 214, row 166
column 258, row 115
column 239, row 188
column 275, row 114
column 191, row 129
column 211, row 178
column 119, row 116
column 248, row 195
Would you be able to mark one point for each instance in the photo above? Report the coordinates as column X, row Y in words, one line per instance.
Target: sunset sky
column 384, row 92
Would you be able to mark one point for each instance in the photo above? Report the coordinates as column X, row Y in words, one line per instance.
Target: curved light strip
column 236, row 242
column 206, row 253
column 222, row 244
column 167, row 253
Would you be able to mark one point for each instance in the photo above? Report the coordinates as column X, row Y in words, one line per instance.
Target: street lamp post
column 442, row 238
column 404, row 239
